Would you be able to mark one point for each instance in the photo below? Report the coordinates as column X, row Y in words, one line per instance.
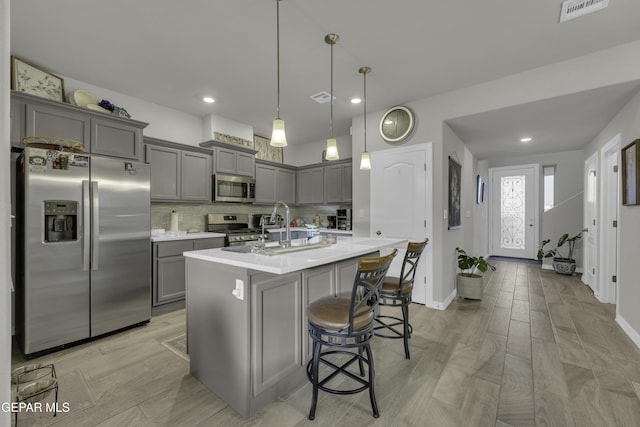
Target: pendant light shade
column 278, row 136
column 332, row 147
column 332, row 150
column 365, row 160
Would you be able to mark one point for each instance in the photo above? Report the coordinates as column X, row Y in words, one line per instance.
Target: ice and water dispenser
column 60, row 221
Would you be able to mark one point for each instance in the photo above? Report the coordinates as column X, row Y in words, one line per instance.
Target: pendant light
column 332, row 147
column 365, row 160
column 278, row 137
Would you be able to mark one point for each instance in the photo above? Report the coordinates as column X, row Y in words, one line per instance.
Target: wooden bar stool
column 344, row 323
column 396, row 292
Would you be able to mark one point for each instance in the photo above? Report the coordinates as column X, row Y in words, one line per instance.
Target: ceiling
column 173, row 53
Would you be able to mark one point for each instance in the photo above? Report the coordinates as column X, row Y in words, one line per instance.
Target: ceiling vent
column 574, row 8
column 322, row 97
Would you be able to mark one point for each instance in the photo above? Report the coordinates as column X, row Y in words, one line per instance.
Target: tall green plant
column 556, row 252
column 469, row 265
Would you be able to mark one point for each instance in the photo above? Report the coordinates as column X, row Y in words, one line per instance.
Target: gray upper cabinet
column 310, row 185
column 115, row 139
column 274, row 183
column 178, row 172
column 47, row 121
column 100, row 133
column 165, row 172
column 337, row 183
column 196, row 176
column 232, row 160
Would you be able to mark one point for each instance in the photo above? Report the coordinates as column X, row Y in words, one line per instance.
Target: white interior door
column 514, row 210
column 400, row 189
column 590, row 236
column 609, row 202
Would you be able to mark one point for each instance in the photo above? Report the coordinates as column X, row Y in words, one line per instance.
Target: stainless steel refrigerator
column 83, row 247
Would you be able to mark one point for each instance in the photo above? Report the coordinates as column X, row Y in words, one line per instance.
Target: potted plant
column 469, row 282
column 561, row 264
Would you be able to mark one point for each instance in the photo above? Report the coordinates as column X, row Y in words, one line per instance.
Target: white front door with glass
column 514, row 211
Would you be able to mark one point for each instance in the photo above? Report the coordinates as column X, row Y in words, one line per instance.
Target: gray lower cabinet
column 274, row 183
column 250, row 349
column 178, row 172
column 169, row 267
column 276, row 306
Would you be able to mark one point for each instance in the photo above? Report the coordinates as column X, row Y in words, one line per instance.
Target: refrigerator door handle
column 95, row 221
column 86, row 221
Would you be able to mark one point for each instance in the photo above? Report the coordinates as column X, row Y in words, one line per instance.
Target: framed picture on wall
column 630, row 173
column 30, row 79
column 455, row 177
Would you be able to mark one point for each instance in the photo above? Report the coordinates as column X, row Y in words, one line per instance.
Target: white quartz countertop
column 173, row 235
column 345, row 248
column 321, row 230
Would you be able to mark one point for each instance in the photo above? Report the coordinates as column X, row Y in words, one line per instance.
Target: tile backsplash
column 192, row 217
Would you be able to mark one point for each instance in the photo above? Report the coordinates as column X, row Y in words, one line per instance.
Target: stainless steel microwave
column 231, row 188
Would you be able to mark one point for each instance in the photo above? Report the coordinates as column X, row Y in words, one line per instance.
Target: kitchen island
column 246, row 323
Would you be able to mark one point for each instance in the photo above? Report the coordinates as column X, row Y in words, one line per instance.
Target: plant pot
column 564, row 266
column 469, row 285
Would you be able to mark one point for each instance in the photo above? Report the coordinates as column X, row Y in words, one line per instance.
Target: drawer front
column 174, row 248
column 214, row 242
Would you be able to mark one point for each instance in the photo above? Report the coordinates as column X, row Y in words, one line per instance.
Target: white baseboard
column 635, row 337
column 442, row 305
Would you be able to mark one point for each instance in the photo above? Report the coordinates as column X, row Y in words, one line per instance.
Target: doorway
column 401, row 194
column 513, row 223
column 609, row 202
column 590, row 234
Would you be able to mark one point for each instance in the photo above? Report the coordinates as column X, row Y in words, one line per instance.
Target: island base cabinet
column 276, row 305
column 218, row 328
column 252, row 349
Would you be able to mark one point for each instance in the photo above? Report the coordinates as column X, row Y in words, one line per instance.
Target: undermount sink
column 279, row 250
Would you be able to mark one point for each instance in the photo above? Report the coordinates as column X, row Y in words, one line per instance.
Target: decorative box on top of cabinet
column 100, row 133
column 178, row 171
column 231, row 159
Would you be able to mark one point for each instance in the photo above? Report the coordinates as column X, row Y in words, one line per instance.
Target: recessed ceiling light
column 356, row 100
column 208, row 100
column 527, row 139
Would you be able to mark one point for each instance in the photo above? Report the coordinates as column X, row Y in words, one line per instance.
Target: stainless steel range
column 236, row 227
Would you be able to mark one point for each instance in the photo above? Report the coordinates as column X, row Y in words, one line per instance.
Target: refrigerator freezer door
column 121, row 282
column 53, row 288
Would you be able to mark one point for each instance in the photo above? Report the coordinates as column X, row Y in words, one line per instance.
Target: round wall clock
column 396, row 124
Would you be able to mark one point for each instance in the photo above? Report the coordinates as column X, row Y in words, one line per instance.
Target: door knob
column 378, row 232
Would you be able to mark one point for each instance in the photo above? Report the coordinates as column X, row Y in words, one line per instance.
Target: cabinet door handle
column 378, row 232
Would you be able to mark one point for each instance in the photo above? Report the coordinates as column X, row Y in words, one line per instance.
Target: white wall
column 310, row 153
column 5, row 235
column 612, row 66
column 213, row 123
column 164, row 122
column 627, row 123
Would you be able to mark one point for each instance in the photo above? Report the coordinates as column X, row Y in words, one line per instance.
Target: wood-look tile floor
column 537, row 350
